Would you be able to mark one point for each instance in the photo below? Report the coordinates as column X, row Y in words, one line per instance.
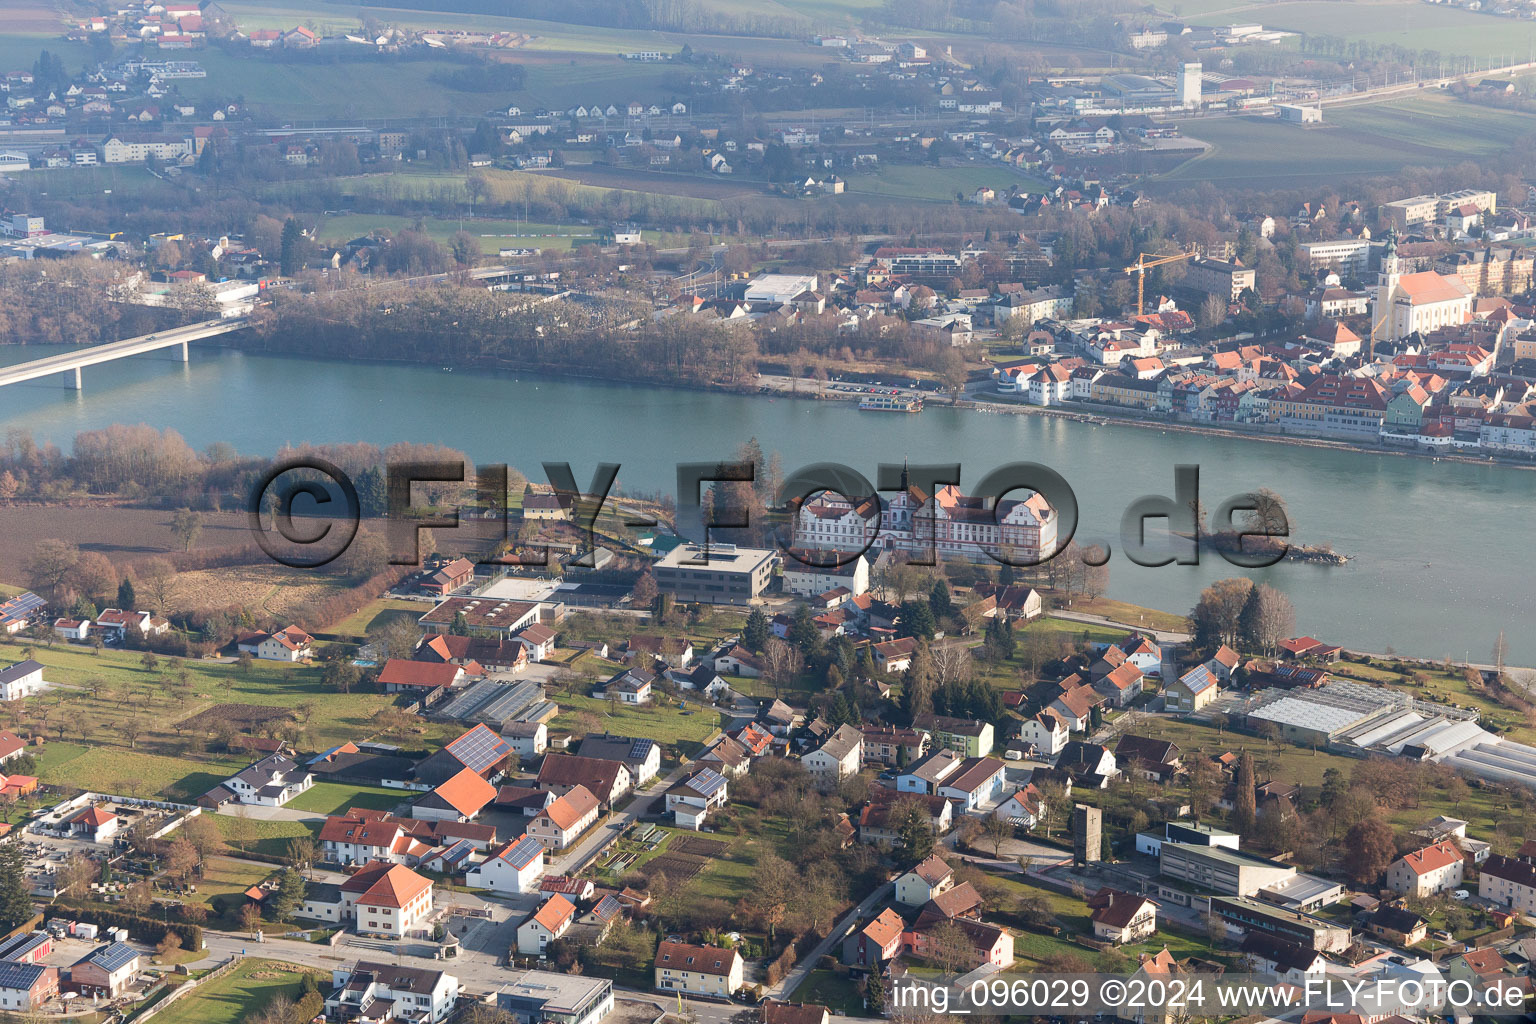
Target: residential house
column 270, row 782
column 923, row 882
column 21, row 680
column 693, row 797
column 1121, row 917
column 839, row 756
column 479, row 749
column 641, row 756
column 1193, row 690
column 1023, row 808
column 875, row 944
column 1428, row 872
column 965, row 736
column 1047, row 732
column 377, row 993
column 566, row 818
column 928, row 773
column 106, row 971
column 26, row 986
column 606, row 780
column 461, row 798
column 551, row 920
column 697, row 970
column 1397, row 925
column 1288, row 961
column 631, row 686
column 514, row 868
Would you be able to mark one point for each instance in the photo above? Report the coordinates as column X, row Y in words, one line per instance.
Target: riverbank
column 1110, row 415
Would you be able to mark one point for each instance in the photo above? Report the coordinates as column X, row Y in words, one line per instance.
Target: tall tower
column 1381, row 301
column 1087, row 827
column 1189, row 84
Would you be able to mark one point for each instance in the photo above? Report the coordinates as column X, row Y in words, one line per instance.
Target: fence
column 181, row 990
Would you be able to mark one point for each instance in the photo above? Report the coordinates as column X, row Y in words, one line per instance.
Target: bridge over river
column 74, row 362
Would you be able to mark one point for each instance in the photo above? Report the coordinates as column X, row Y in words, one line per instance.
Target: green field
column 670, row 726
column 1407, row 23
column 136, row 773
column 939, row 183
column 335, row 797
column 492, row 234
column 234, row 996
column 1374, row 139
column 255, row 835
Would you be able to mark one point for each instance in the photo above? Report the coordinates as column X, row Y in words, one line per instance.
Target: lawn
column 108, row 695
column 908, row 181
column 1407, row 23
column 335, row 797
column 238, row 994
column 837, row 992
column 492, row 234
column 668, row 725
column 256, row 835
column 377, row 614
column 136, row 773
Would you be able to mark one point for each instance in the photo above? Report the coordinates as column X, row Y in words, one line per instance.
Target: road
column 834, row 939
column 594, row 842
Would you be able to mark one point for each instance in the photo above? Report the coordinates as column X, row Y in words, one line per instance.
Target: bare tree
column 781, row 663
column 953, row 663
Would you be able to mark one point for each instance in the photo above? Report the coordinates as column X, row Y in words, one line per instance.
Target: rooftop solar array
column 19, row 976
column 524, row 851
column 479, row 748
column 114, row 957
column 641, row 749
column 706, row 782
column 22, row 606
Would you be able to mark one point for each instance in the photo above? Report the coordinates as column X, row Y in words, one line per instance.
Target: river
column 1438, row 564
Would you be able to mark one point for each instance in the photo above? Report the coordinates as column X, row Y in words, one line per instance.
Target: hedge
column 144, row 929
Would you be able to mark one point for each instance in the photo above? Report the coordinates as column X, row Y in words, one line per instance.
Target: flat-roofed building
column 1219, row 869
column 1244, row 914
column 729, row 575
column 540, row 996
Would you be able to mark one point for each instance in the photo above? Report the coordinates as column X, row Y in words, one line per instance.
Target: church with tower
column 1417, row 303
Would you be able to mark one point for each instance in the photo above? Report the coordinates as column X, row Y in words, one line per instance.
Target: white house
column 925, row 881
column 387, row 899
column 514, row 868
column 22, row 679
column 545, row 925
column 839, row 756
column 377, row 991
column 72, row 629
column 691, row 799
column 698, row 970
column 270, row 782
column 559, row 824
column 808, row 573
column 288, row 644
column 1427, row 872
column 528, row 739
column 632, row 686
column 1047, row 732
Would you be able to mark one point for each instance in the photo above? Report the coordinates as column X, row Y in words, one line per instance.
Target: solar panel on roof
column 640, row 749
column 18, row 976
column 115, row 956
column 707, row 782
column 479, row 748
column 524, row 851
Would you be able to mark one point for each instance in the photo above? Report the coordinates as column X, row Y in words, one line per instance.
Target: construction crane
column 1146, row 261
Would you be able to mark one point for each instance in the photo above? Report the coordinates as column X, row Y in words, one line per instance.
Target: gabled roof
column 597, row 775
column 425, row 674
column 886, row 927
column 1117, row 909
column 698, row 959
column 555, row 913
column 932, row 870
column 381, row 884
column 1432, row 858
column 567, row 811
column 466, row 793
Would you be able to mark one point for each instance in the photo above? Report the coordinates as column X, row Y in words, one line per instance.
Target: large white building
column 1427, row 872
column 1417, row 303
column 948, row 524
column 777, row 289
column 1189, row 84
column 377, row 991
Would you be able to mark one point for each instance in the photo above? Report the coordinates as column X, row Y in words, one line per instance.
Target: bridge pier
column 184, row 352
column 79, row 385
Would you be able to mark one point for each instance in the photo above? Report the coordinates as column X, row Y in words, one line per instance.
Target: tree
column 301, row 852
column 289, row 896
column 157, row 577
column 997, row 832
column 76, row 875
column 1213, row 312
column 1369, row 847
column 465, row 248
column 1266, row 619
column 94, row 576
column 182, row 860
column 250, row 918
column 186, row 527
column 913, row 826
column 341, row 676
column 758, row 631
column 781, row 663
column 949, row 946
column 917, row 619
column 294, row 248
column 1269, row 515
column 170, row 945
column 50, row 563
column 1217, row 614
column 127, row 599
column 1244, row 811
column 939, row 600
column 775, row 885
column 204, row 835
